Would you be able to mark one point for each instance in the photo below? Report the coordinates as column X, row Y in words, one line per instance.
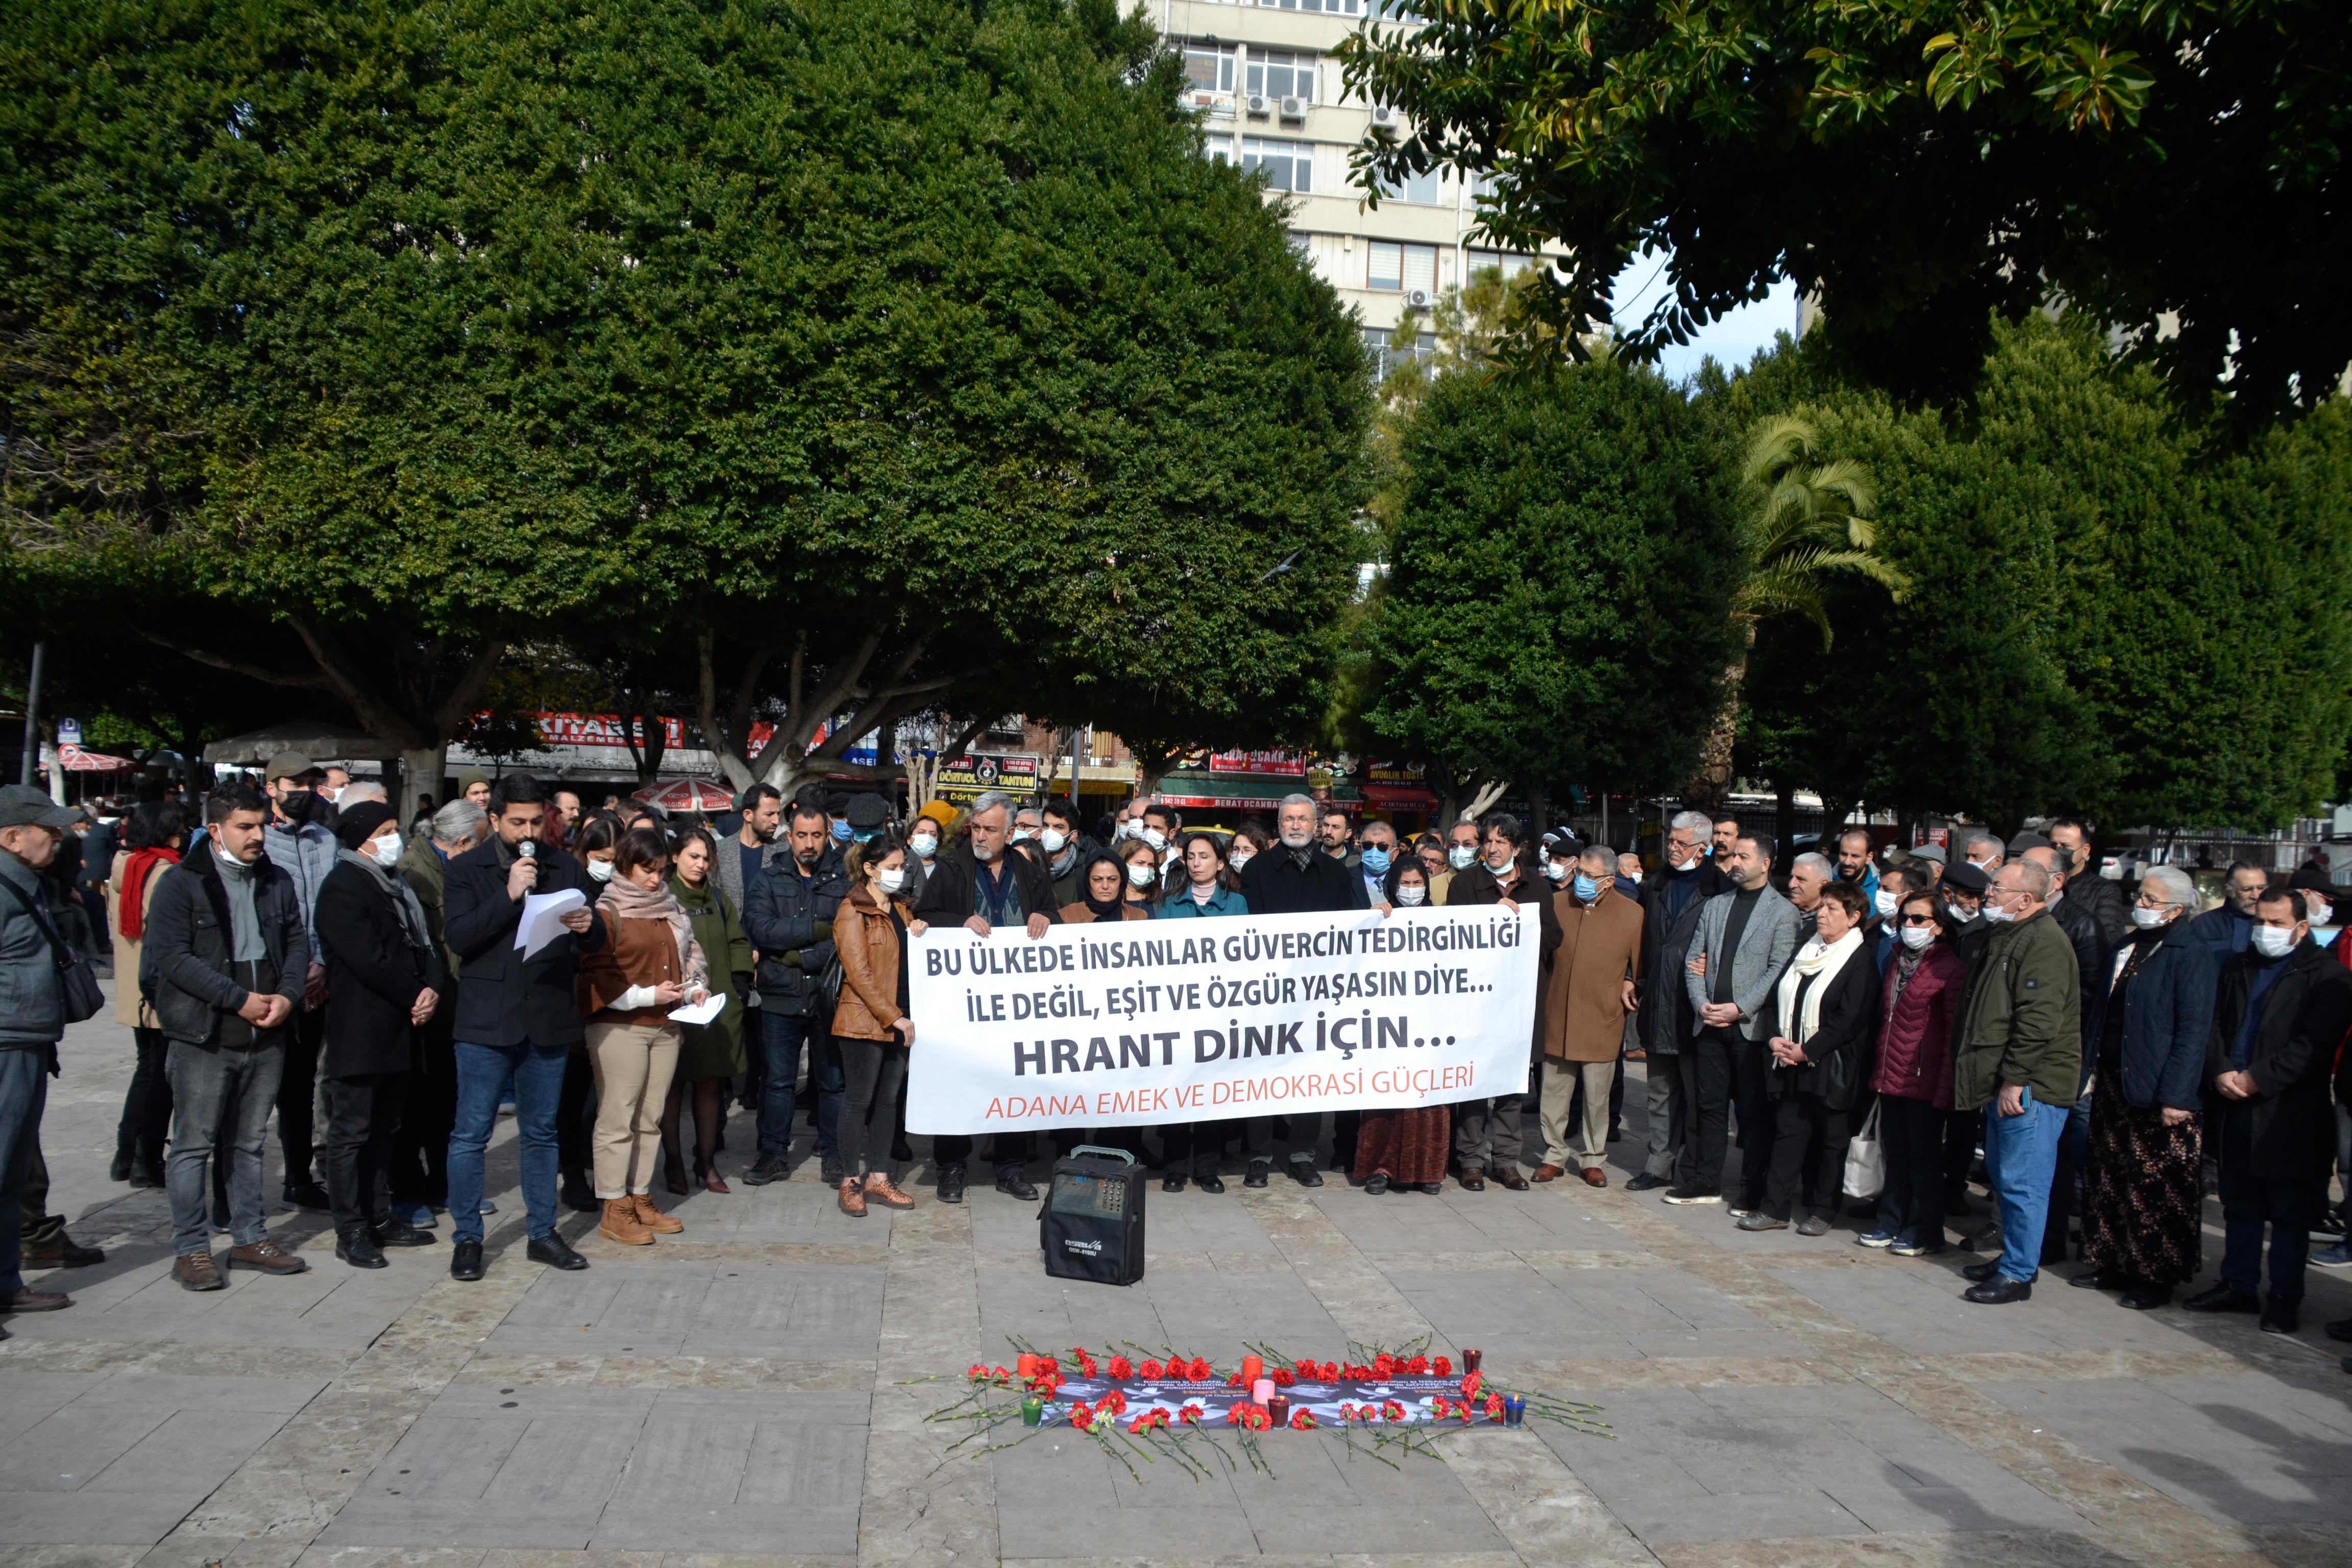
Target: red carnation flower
column 1330, row 1371
column 1443, row 1366
column 1384, row 1365
column 1283, row 1377
column 1303, row 1420
column 1082, row 1416
column 1191, row 1413
column 1418, row 1366
column 1470, row 1384
column 978, row 1374
column 1494, row 1407
column 1121, row 1368
column 1113, row 1402
column 1392, row 1410
column 1150, row 1371
column 1199, row 1371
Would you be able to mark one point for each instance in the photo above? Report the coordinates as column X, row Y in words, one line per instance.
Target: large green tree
column 1560, row 567
column 2174, row 166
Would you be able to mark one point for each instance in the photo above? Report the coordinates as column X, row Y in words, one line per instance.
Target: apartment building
column 1263, row 78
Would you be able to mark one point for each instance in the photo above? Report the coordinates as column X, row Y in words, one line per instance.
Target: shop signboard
column 974, row 773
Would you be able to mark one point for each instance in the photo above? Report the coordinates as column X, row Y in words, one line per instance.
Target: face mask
column 1505, row 869
column 2113, row 871
column 1586, row 887
column 1411, row 895
column 1126, row 829
column 1885, row 903
column 1634, row 876
column 1139, row 875
column 1917, row 937
column 2273, row 943
column 1376, row 862
column 1021, row 836
column 297, row 805
column 386, row 850
column 2322, row 935
column 2148, row 920
column 599, row 870
column 924, row 844
column 1156, row 839
column 1461, row 856
column 1053, row 838
column 841, row 831
column 1240, row 857
column 892, row 880
column 1999, row 916
column 1556, row 869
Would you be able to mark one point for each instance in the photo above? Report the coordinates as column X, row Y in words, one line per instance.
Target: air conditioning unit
column 1295, row 110
column 1417, row 298
column 1257, row 105
column 1384, row 114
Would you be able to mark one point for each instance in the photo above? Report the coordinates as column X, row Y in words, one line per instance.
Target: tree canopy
column 2174, row 167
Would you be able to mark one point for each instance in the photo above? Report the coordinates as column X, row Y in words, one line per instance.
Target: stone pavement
column 739, row 1394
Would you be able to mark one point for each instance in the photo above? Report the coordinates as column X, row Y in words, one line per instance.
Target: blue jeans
column 483, row 1074
column 781, row 1035
column 2022, row 1156
column 221, row 1101
column 23, row 1092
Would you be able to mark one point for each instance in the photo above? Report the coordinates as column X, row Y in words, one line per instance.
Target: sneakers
column 1912, row 1247
column 1761, row 1222
column 2336, row 1257
column 1881, row 1236
column 1694, row 1195
column 767, row 1168
column 416, row 1216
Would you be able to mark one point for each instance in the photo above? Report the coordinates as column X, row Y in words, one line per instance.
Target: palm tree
column 1807, row 521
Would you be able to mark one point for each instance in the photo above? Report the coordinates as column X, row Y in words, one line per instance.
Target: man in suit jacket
column 517, row 1017
column 2285, row 1005
column 1671, row 902
column 1744, row 939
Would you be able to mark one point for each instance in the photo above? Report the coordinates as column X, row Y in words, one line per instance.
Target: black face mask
column 297, row 805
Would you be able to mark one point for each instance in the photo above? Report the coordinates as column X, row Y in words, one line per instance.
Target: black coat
column 2305, row 1012
column 185, row 967
column 789, row 919
column 1666, row 943
column 2167, row 1021
column 1276, row 884
column 2106, row 903
column 2091, row 953
column 373, row 973
column 503, row 999
column 1838, row 1058
column 1478, row 885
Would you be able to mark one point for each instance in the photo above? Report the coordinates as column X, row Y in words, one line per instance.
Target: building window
column 1388, row 354
column 1510, row 263
column 1289, row 165
column 1330, row 7
column 1392, row 11
column 1220, row 149
column 1404, row 266
column 1208, row 68
column 1302, row 245
column 1280, row 73
column 1427, row 190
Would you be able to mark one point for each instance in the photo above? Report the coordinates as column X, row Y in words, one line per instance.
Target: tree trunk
column 1539, row 812
column 1784, row 822
column 1710, row 789
column 421, row 770
column 1484, row 800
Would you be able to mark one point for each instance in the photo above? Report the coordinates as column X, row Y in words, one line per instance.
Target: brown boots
column 633, row 1221
column 621, row 1223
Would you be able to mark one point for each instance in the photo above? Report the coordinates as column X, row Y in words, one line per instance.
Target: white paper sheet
column 710, row 1008
column 542, row 918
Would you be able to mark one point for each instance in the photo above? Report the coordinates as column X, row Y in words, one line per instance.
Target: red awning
column 687, row 794
column 1400, row 797
column 74, row 760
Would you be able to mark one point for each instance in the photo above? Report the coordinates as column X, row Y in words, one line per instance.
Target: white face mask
column 1141, row 876
column 1885, row 903
column 924, row 844
column 2273, row 943
column 1461, row 856
column 2148, row 920
column 2113, row 871
column 1053, row 838
column 1556, row 869
column 1634, row 875
column 892, row 880
column 1505, row 869
column 386, row 847
column 599, row 870
column 1998, row 915
column 1021, row 835
column 1917, row 937
column 1240, row 857
column 1156, row 839
column 1411, row 894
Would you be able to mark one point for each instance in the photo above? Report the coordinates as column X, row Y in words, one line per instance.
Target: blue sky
column 1733, row 340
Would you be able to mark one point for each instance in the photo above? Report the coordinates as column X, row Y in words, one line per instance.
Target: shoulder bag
column 76, row 982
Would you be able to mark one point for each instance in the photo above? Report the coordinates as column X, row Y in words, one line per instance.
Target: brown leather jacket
column 1078, row 914
column 638, row 953
column 870, row 956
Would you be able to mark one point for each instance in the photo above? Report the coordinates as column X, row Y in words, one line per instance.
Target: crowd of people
column 1872, row 1030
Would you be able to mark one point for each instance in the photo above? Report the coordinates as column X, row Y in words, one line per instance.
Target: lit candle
column 1470, row 1360
column 1278, row 1408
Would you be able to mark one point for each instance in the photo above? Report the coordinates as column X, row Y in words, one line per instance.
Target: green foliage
column 1918, row 165
column 2116, row 615
column 1561, row 575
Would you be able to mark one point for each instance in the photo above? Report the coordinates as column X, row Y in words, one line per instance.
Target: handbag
column 77, row 983
column 1865, row 1159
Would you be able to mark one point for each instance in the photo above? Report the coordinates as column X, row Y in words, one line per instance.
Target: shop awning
column 75, row 760
column 1400, row 797
column 1201, row 792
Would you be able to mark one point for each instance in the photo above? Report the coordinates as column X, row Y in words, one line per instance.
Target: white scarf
column 1820, row 961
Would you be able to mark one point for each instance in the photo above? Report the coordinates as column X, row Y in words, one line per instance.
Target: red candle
column 1470, row 1360
column 1253, row 1368
column 1278, row 1408
column 1026, row 1365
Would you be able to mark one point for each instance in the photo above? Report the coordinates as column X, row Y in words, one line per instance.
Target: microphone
column 528, row 848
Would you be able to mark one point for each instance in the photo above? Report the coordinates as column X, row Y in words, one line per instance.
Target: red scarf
column 130, row 913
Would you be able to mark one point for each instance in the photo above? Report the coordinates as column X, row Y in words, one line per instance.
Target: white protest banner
column 1136, row 1023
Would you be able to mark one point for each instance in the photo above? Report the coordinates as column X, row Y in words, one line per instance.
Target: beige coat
column 1584, row 1000
column 131, row 1009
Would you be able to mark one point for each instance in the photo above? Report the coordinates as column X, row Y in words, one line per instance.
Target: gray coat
column 1765, row 949
column 728, row 870
column 32, row 999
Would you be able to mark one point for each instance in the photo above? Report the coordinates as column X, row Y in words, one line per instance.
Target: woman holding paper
column 870, row 1024
column 649, row 966
column 712, row 1053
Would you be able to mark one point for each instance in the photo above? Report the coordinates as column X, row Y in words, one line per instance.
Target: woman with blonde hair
column 648, row 966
